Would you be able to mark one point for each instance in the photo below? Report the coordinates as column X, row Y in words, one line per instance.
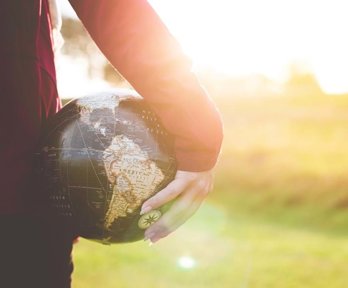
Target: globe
column 103, row 155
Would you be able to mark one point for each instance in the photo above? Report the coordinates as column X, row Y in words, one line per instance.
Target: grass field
column 226, row 249
column 277, row 217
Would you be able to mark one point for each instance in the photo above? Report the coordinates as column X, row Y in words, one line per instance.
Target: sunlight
column 263, row 37
column 73, row 79
column 186, row 262
column 245, row 37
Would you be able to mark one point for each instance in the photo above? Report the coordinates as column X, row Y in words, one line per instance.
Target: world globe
column 103, row 156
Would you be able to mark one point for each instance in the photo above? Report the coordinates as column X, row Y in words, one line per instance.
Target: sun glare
column 263, row 37
column 186, row 262
column 244, row 37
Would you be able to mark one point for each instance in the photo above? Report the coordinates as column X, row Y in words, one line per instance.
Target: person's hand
column 188, row 190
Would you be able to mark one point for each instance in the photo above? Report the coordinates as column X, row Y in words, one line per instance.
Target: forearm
column 138, row 44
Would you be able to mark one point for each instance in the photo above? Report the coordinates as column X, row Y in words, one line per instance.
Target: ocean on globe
column 102, row 156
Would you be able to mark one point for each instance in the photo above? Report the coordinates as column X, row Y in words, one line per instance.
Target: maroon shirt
column 137, row 43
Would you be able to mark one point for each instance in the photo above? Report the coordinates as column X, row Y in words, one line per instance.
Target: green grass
column 278, row 216
column 230, row 250
column 287, row 148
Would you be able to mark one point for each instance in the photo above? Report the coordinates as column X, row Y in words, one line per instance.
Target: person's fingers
column 183, row 179
column 164, row 196
column 169, row 225
column 178, row 214
column 188, row 189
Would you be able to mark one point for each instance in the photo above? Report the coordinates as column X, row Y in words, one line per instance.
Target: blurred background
column 278, row 72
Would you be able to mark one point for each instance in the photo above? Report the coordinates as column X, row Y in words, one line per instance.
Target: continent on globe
column 133, row 174
column 103, row 155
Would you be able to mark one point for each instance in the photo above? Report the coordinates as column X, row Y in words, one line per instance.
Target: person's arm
column 139, row 46
column 56, row 24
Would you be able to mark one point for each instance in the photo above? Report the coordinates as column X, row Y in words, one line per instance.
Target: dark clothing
column 35, row 252
column 28, row 95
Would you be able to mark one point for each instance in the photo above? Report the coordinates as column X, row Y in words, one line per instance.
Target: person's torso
column 27, row 95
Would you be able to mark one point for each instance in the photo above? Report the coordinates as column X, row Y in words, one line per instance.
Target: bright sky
column 242, row 37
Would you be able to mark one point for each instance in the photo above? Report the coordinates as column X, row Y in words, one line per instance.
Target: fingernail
column 145, row 210
column 148, row 242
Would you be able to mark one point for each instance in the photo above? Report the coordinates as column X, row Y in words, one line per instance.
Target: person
column 35, row 250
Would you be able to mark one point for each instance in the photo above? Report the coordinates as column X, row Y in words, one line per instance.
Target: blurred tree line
column 300, row 82
column 78, row 43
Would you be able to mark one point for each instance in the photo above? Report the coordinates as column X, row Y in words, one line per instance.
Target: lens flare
column 186, row 262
